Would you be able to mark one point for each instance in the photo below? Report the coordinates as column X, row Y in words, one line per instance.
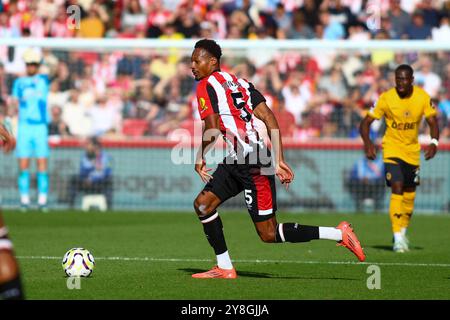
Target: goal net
column 138, row 98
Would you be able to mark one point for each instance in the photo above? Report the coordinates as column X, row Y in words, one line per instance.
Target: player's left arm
column 431, row 149
column 282, row 169
column 430, row 113
column 211, row 131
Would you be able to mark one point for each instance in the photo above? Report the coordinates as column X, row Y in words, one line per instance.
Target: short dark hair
column 211, row 46
column 405, row 67
column 95, row 142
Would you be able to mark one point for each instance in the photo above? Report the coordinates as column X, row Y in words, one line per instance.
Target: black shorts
column 401, row 171
column 259, row 190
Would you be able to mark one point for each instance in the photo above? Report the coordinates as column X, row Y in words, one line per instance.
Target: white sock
column 403, row 231
column 42, row 199
column 224, row 261
column 398, row 236
column 25, row 199
column 330, row 233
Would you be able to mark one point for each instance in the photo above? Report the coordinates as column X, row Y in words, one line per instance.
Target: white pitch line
column 149, row 259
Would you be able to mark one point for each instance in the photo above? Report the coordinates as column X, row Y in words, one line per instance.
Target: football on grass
column 78, row 262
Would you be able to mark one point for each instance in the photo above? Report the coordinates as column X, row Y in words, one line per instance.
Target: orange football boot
column 216, row 272
column 350, row 240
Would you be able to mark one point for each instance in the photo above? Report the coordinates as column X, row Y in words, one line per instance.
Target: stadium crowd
column 314, row 94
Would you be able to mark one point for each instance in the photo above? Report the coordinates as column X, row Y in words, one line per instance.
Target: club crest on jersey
column 388, row 176
column 407, row 114
column 203, row 105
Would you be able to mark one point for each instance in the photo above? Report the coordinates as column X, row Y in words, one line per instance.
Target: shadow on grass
column 389, row 248
column 250, row 274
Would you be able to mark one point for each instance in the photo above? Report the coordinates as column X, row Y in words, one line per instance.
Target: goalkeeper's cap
column 32, row 56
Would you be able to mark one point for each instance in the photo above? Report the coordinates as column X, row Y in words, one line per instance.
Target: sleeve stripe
column 213, row 97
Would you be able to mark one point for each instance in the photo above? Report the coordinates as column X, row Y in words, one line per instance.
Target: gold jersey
column 403, row 118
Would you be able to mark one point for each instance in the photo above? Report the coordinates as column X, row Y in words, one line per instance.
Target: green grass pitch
column 152, row 255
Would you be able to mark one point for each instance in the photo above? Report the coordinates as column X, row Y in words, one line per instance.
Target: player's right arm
column 364, row 131
column 211, row 131
column 376, row 113
column 208, row 110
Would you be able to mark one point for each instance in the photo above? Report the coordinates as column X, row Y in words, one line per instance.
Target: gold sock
column 396, row 212
column 408, row 207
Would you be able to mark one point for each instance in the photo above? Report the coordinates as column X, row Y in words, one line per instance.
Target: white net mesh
column 137, row 95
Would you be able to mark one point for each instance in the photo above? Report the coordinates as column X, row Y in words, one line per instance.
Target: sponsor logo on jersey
column 404, row 125
column 203, row 105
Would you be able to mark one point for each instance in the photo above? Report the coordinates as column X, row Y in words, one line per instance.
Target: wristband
column 435, row 142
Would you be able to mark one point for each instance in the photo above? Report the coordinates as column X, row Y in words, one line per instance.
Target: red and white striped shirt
column 233, row 100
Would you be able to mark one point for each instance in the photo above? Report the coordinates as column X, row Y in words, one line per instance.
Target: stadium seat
column 94, row 200
column 135, row 127
column 286, row 121
column 188, row 125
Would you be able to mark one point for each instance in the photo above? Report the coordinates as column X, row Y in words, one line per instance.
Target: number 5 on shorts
column 248, row 197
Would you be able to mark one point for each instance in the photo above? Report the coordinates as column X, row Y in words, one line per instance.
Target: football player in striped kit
column 227, row 105
column 10, row 284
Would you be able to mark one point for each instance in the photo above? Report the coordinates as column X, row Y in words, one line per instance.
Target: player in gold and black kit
column 403, row 108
